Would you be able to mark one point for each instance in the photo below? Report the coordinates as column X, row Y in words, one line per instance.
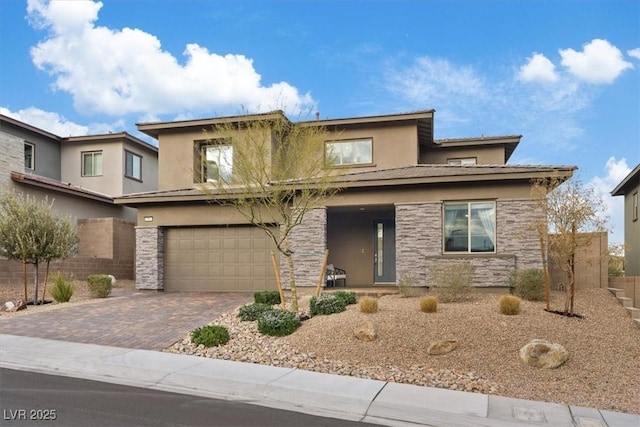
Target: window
column 634, row 207
column 29, row 156
column 462, row 161
column 214, row 162
column 132, row 165
column 470, row 227
column 92, row 163
column 351, row 152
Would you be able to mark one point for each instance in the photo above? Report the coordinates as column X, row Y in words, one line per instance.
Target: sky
column 563, row 74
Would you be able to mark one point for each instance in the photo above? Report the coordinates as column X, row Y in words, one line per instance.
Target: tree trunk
column 24, row 278
column 545, row 274
column 572, row 284
column 46, row 277
column 35, row 282
column 292, row 283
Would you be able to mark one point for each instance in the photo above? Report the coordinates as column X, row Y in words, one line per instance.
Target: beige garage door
column 218, row 259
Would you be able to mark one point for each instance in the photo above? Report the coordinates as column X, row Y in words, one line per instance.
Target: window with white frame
column 462, row 161
column 349, row 152
column 92, row 163
column 469, row 226
column 132, row 165
column 29, row 156
column 214, row 162
column 634, row 207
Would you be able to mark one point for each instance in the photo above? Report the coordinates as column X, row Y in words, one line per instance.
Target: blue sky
column 564, row 74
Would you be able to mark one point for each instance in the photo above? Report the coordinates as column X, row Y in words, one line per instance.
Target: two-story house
column 81, row 175
column 629, row 188
column 408, row 201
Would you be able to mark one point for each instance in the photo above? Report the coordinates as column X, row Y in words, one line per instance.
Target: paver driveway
column 144, row 319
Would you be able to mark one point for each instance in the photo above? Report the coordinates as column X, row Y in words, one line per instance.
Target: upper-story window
column 92, row 163
column 214, row 161
column 349, row 152
column 29, row 156
column 469, row 227
column 132, row 165
column 463, row 161
column 634, row 207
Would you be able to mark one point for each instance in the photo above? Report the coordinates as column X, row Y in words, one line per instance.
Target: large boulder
column 438, row 348
column 365, row 331
column 543, row 354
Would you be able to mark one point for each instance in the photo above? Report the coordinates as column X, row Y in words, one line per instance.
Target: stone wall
column 12, row 158
column 150, row 258
column 308, row 242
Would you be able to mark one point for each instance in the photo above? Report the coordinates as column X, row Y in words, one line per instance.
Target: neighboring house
column 408, row 202
column 629, row 188
column 81, row 175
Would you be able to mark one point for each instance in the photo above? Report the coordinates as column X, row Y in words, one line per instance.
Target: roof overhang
column 509, row 142
column 60, row 187
column 627, row 182
column 111, row 137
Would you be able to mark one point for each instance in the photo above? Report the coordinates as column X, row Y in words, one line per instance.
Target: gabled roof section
column 60, row 187
column 509, row 142
column 154, row 129
column 28, row 127
column 111, row 137
column 629, row 181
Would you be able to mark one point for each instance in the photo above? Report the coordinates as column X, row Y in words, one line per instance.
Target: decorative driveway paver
column 144, row 319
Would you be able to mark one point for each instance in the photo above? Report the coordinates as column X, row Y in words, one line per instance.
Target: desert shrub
column 509, row 304
column 62, row 289
column 326, row 304
column 407, row 286
column 452, row 281
column 348, row 297
column 99, row 285
column 368, row 305
column 429, row 304
column 210, row 335
column 251, row 312
column 278, row 323
column 267, row 297
column 527, row 284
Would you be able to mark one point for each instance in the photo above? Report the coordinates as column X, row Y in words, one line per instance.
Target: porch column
column 150, row 258
column 308, row 242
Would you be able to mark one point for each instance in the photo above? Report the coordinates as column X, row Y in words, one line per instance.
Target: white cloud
column 125, row 71
column 634, row 53
column 614, row 172
column 599, row 62
column 538, row 69
column 45, row 120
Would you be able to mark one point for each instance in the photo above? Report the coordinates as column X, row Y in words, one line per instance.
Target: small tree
column 278, row 175
column 571, row 210
column 31, row 232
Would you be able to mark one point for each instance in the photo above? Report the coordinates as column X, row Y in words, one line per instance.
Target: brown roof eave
column 621, row 188
column 60, row 187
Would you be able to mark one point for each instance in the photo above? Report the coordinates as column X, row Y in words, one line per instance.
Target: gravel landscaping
column 603, row 370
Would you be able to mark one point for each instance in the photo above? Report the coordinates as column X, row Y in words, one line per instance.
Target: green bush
column 278, row 323
column 326, row 304
column 429, row 304
column 368, row 305
column 210, row 335
column 62, row 289
column 527, row 284
column 251, row 312
column 509, row 304
column 267, row 297
column 452, row 281
column 348, row 297
column 99, row 285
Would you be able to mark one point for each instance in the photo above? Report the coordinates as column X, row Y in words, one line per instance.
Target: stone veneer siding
column 12, row 158
column 419, row 243
column 150, row 258
column 308, row 242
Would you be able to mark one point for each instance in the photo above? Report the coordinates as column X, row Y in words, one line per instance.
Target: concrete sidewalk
column 314, row 393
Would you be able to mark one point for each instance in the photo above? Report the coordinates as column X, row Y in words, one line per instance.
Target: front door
column 384, row 251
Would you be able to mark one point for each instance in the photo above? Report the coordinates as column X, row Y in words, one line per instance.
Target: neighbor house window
column 634, row 207
column 29, row 156
column 214, row 162
column 349, row 152
column 470, row 227
column 132, row 165
column 92, row 163
column 462, row 161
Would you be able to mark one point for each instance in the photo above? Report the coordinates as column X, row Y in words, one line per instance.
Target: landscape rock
column 543, row 354
column 365, row 331
column 113, row 280
column 11, row 306
column 438, row 348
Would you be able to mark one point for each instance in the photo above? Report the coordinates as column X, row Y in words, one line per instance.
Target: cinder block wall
column 591, row 264
column 631, row 286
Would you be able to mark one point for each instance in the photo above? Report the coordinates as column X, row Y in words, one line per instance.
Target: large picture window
column 469, row 227
column 132, row 165
column 92, row 163
column 214, row 162
column 349, row 152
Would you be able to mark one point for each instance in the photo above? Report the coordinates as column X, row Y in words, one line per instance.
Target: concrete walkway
column 295, row 390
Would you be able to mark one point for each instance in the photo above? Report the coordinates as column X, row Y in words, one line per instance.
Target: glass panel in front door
column 380, row 249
